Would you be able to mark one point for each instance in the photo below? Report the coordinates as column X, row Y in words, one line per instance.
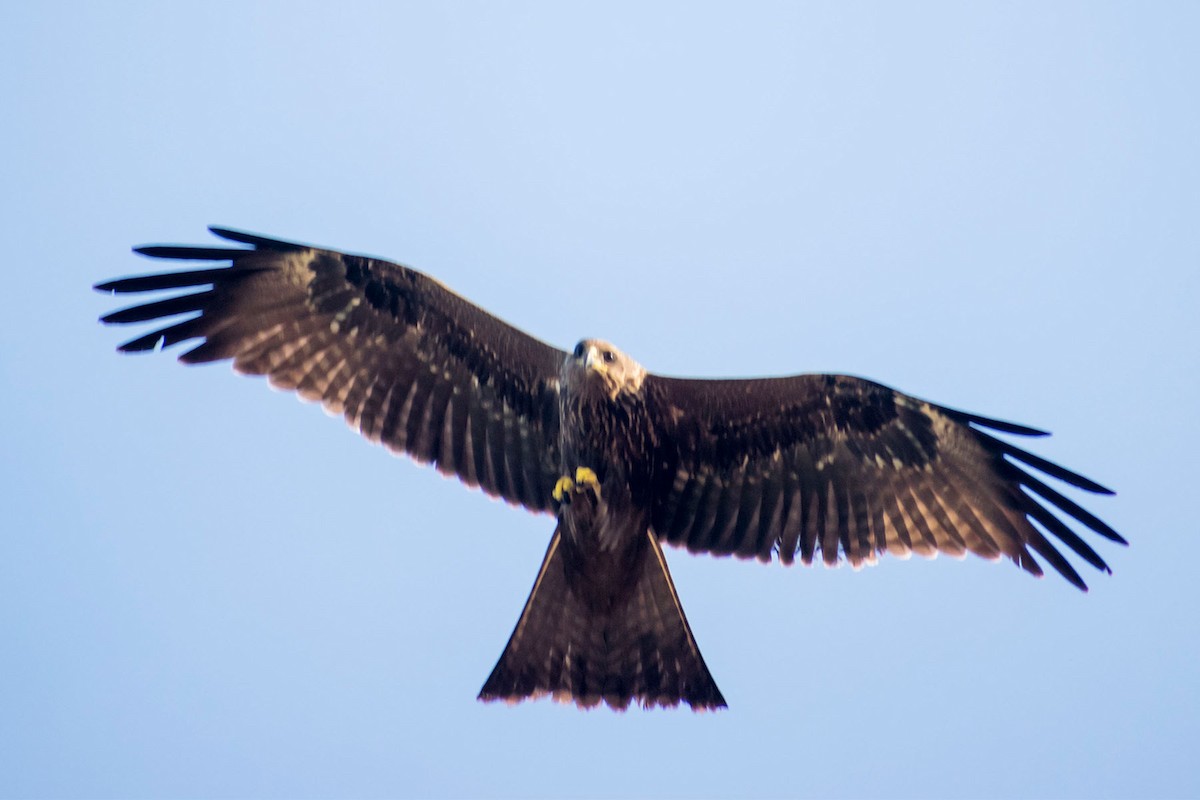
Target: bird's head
column 596, row 363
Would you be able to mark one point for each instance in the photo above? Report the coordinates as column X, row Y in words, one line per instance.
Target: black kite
column 810, row 466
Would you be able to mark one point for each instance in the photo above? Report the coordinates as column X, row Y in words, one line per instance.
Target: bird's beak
column 592, row 361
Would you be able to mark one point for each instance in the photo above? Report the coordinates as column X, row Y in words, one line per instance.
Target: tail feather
column 638, row 651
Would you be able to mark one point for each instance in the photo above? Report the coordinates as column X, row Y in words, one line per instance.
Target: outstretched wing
column 849, row 469
column 405, row 360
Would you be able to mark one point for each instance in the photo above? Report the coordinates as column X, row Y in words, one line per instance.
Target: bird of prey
column 826, row 467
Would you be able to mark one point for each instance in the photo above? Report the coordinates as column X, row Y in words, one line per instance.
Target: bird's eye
column 609, row 357
column 579, row 350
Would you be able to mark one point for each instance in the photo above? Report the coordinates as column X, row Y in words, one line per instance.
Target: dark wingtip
column 232, row 234
column 1005, row 427
column 993, row 424
column 171, row 280
column 1044, row 465
column 245, row 237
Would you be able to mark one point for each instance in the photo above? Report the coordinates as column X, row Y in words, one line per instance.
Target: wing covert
column 406, row 361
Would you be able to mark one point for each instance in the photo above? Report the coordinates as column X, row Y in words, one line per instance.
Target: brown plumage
column 810, row 466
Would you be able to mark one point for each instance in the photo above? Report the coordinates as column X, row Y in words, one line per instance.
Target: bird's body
column 810, row 466
column 603, row 621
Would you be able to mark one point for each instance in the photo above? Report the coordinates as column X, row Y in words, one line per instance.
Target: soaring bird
column 827, row 467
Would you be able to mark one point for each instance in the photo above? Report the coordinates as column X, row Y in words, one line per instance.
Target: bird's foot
column 585, row 479
column 563, row 488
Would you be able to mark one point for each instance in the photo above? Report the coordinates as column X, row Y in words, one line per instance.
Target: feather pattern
column 406, row 361
column 842, row 468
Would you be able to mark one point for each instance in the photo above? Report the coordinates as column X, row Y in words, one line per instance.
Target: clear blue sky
column 211, row 589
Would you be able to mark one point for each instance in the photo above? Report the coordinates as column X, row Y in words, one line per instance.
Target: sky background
column 209, row 589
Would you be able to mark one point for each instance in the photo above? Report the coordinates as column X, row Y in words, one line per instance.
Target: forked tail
column 638, row 651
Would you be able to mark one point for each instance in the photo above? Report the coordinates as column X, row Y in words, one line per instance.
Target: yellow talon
column 584, row 476
column 564, row 485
